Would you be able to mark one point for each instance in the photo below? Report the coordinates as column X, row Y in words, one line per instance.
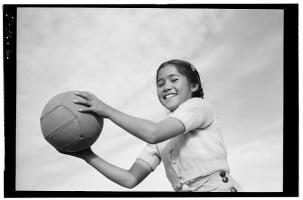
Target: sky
column 115, row 53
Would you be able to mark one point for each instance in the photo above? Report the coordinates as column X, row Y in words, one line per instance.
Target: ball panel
column 90, row 125
column 55, row 120
column 81, row 144
column 65, row 136
column 52, row 103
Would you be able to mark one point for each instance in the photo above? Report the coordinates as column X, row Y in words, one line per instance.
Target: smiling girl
column 189, row 141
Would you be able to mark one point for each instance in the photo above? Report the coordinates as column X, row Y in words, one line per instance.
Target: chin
column 171, row 108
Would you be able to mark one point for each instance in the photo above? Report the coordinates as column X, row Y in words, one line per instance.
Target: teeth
column 169, row 96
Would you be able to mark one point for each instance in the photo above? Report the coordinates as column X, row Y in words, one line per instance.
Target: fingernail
column 79, row 109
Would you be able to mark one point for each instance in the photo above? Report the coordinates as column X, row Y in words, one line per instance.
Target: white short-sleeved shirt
column 198, row 152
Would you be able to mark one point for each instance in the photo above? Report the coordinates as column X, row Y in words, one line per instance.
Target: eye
column 160, row 84
column 174, row 80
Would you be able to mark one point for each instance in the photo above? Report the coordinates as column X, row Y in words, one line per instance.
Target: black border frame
column 290, row 103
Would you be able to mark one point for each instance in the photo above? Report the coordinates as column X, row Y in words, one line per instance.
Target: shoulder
column 195, row 103
column 194, row 113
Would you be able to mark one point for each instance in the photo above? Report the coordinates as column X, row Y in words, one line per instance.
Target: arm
column 126, row 178
column 146, row 130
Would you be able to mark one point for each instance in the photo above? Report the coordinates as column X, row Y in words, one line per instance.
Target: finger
column 60, row 151
column 85, row 110
column 82, row 102
column 82, row 94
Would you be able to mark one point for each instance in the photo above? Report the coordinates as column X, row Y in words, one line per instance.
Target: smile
column 170, row 95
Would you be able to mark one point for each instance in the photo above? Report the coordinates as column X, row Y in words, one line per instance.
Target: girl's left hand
column 93, row 104
column 84, row 154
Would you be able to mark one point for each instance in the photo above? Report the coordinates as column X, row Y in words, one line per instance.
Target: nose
column 167, row 87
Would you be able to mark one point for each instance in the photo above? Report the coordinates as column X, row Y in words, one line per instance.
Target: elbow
column 130, row 186
column 152, row 137
column 131, row 183
column 152, row 140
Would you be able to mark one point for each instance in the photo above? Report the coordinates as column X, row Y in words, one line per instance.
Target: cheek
column 187, row 91
column 159, row 94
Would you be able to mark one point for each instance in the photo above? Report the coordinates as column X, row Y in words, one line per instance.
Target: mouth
column 169, row 95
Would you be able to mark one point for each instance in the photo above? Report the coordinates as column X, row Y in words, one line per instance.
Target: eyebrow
column 169, row 76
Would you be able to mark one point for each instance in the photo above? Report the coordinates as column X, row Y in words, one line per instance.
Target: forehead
column 167, row 71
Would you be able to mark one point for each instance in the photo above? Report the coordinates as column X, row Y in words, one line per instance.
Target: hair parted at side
column 189, row 71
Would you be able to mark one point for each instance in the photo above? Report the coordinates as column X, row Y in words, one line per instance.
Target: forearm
column 141, row 128
column 118, row 175
column 144, row 129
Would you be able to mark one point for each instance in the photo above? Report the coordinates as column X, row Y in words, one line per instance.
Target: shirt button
column 225, row 179
column 233, row 189
column 222, row 173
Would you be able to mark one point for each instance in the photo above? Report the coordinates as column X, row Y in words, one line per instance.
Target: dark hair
column 189, row 71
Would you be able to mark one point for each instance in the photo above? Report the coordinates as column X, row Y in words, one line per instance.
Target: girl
column 189, row 141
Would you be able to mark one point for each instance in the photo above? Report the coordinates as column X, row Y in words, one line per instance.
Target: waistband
column 194, row 184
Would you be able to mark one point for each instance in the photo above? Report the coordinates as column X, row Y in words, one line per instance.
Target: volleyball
column 67, row 129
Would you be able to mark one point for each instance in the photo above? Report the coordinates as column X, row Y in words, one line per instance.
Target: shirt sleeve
column 194, row 113
column 150, row 155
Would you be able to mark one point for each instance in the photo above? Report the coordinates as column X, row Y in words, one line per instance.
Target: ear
column 194, row 88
